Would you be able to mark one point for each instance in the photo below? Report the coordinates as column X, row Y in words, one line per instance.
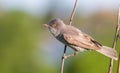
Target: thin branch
column 118, row 71
column 63, row 60
column 70, row 22
column 73, row 12
column 115, row 41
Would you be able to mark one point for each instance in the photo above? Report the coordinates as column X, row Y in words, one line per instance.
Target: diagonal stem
column 63, row 60
column 115, row 41
column 73, row 13
column 70, row 22
column 118, row 69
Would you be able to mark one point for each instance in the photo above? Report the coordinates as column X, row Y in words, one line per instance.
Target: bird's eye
column 54, row 25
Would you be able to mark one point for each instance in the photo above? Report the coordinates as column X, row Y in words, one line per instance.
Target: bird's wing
column 81, row 40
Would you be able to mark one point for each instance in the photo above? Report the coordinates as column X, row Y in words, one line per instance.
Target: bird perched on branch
column 76, row 39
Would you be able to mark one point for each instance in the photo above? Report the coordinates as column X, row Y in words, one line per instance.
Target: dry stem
column 70, row 22
column 115, row 41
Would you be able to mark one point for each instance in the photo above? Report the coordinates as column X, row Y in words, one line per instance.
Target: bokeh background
column 26, row 46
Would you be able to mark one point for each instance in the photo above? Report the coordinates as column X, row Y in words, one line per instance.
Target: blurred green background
column 27, row 47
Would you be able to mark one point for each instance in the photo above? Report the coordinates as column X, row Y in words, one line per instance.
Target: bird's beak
column 46, row 25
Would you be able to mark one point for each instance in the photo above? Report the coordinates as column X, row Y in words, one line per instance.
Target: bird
column 76, row 39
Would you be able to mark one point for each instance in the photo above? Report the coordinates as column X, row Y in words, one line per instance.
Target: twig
column 115, row 41
column 63, row 60
column 73, row 12
column 70, row 22
column 118, row 71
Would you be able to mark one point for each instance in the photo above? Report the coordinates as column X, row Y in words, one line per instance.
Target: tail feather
column 109, row 52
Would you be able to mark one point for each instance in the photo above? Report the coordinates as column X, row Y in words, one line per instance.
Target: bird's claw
column 64, row 57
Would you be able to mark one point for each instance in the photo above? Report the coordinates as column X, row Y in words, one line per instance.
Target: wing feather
column 81, row 40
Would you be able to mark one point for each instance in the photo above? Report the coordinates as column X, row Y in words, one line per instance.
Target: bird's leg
column 71, row 55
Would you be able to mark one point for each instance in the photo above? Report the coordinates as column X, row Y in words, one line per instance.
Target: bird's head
column 55, row 26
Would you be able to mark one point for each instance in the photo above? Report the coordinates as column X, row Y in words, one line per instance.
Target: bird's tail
column 109, row 52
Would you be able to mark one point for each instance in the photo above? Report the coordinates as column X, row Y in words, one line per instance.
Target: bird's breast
column 61, row 39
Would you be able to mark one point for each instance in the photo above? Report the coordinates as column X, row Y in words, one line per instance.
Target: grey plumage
column 76, row 39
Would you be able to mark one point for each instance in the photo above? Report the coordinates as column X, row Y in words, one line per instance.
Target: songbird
column 76, row 39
